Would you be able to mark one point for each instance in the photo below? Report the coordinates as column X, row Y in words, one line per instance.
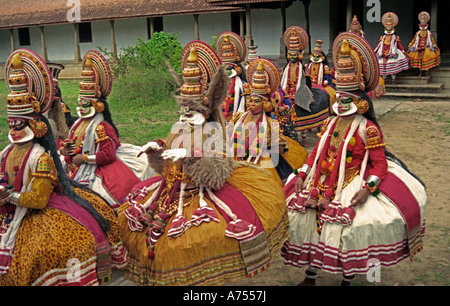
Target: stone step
column 415, row 88
column 441, row 74
column 442, row 95
column 412, row 80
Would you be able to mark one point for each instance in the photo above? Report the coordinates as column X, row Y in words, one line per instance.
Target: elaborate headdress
column 199, row 64
column 264, row 79
column 424, row 18
column 96, row 80
column 31, row 89
column 355, row 26
column 356, row 66
column 55, row 69
column 252, row 53
column 389, row 20
column 296, row 39
column 317, row 51
column 231, row 47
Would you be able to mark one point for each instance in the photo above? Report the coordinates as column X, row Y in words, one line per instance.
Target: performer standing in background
column 390, row 52
column 268, row 143
column 355, row 27
column 311, row 105
column 353, row 201
column 319, row 72
column 423, row 53
column 232, row 53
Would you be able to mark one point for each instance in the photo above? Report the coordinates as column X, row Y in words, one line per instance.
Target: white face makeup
column 344, row 105
column 191, row 117
column 19, row 132
column 85, row 109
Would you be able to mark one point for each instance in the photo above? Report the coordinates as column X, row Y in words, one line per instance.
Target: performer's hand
column 67, row 150
column 77, row 159
column 4, row 195
column 174, row 154
column 360, row 197
column 150, row 146
column 298, row 185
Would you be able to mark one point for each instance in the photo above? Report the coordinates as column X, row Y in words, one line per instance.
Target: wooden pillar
column 349, row 15
column 332, row 28
column 11, row 38
column 248, row 25
column 113, row 39
column 306, row 5
column 43, row 46
column 152, row 26
column 76, row 50
column 196, row 28
column 242, row 24
column 283, row 48
column 433, row 21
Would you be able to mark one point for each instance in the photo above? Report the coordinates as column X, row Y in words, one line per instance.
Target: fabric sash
column 254, row 249
column 86, row 172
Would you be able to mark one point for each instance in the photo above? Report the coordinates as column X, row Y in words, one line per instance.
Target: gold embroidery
column 101, row 134
column 373, row 138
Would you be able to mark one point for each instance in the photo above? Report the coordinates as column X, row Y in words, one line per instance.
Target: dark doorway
column 443, row 39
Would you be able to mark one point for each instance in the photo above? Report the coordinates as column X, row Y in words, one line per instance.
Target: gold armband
column 101, row 133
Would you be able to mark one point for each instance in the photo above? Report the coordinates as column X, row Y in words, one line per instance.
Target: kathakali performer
column 319, row 72
column 353, row 201
column 93, row 152
column 53, row 231
column 233, row 52
column 202, row 220
column 256, row 137
column 423, row 53
column 390, row 52
column 311, row 104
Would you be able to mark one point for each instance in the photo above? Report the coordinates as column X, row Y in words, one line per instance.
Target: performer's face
column 316, row 58
column 191, row 117
column 85, row 108
column 344, row 105
column 19, row 131
column 293, row 57
column 255, row 105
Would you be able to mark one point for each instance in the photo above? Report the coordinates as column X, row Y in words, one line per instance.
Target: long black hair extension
column 49, row 144
column 107, row 115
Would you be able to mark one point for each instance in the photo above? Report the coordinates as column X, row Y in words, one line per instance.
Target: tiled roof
column 27, row 13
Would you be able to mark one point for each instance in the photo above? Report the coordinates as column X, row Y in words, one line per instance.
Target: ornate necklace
column 15, row 160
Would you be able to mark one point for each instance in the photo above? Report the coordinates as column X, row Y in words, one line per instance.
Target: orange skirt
column 203, row 255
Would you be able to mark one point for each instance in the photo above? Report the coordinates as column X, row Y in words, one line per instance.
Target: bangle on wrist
column 371, row 187
column 14, row 197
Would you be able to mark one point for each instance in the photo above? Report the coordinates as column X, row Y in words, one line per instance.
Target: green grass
column 136, row 121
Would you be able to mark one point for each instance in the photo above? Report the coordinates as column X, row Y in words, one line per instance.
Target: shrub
column 141, row 72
